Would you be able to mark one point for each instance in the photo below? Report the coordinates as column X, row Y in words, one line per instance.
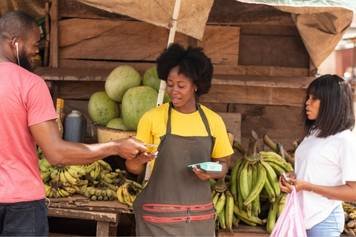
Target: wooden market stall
column 261, row 67
column 261, row 70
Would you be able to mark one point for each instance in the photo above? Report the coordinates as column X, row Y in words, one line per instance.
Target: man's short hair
column 16, row 24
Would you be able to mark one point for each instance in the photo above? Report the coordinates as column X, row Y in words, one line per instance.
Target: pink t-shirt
column 24, row 101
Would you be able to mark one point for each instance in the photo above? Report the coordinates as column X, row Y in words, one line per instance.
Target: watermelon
column 150, row 78
column 117, row 123
column 135, row 103
column 101, row 108
column 119, row 80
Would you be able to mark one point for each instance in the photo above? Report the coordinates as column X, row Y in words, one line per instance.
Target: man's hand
column 143, row 157
column 129, row 148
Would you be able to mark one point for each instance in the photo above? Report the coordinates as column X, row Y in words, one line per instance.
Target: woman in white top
column 325, row 161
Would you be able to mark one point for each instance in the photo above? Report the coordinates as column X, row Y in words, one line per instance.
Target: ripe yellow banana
column 105, row 165
column 69, row 178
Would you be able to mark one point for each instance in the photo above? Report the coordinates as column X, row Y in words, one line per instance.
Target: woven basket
column 108, row 134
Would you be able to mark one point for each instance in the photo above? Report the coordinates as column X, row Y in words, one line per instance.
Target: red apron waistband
column 155, row 219
column 156, row 207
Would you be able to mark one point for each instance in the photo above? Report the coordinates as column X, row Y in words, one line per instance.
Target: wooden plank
column 245, row 231
column 78, row 202
column 233, row 124
column 54, row 34
column 234, row 12
column 283, row 124
column 273, row 51
column 129, row 40
column 72, row 74
column 74, row 8
column 257, row 70
column 255, row 95
column 84, row 215
column 220, row 43
column 269, row 30
column 277, row 82
column 102, row 228
column 102, row 64
column 254, row 70
column 217, row 107
column 94, row 74
column 219, row 93
column 79, row 90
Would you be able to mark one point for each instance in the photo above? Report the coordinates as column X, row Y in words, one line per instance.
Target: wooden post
column 53, row 62
column 102, row 228
column 47, row 29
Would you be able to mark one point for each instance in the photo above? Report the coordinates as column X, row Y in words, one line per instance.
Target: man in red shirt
column 27, row 118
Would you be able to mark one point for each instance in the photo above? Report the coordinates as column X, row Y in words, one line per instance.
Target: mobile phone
column 208, row 166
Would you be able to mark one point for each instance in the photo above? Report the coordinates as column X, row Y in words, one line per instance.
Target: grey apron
column 175, row 201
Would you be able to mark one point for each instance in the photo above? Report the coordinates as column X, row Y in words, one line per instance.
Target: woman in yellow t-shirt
column 177, row 199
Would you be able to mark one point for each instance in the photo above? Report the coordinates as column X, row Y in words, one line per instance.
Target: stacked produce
column 97, row 181
column 124, row 88
column 224, row 204
column 254, row 196
column 350, row 219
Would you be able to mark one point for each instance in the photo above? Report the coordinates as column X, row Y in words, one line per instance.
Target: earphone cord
column 17, row 54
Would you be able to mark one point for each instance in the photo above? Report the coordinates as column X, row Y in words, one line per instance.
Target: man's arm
column 61, row 152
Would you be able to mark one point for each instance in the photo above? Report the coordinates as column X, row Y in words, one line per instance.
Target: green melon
column 101, row 108
column 117, row 123
column 135, row 103
column 150, row 78
column 120, row 79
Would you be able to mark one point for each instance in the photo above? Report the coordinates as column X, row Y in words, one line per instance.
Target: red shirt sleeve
column 39, row 104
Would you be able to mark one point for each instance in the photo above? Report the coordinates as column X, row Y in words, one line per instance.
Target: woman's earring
column 195, row 89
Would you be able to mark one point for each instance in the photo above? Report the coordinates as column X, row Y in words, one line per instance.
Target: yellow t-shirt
column 152, row 127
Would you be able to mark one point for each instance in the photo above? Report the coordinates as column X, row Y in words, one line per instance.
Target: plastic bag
column 290, row 223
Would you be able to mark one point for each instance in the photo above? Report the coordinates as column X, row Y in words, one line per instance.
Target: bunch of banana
column 224, row 209
column 45, row 169
column 94, row 169
column 127, row 192
column 350, row 219
column 58, row 192
column 256, row 176
column 97, row 193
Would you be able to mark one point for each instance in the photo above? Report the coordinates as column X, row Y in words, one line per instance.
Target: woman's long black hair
column 336, row 111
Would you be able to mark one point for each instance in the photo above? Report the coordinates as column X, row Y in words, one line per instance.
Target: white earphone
column 17, row 52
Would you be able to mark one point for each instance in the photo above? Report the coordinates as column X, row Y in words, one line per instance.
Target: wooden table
column 105, row 213
column 245, row 231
